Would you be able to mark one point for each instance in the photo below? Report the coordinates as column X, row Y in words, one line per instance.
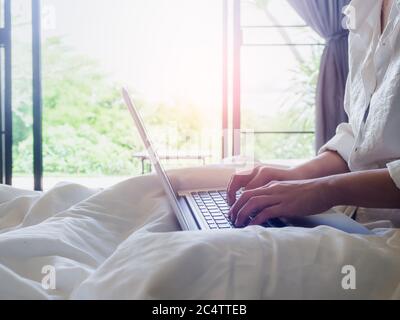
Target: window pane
column 22, row 94
column 279, row 96
column 279, row 80
column 280, row 36
column 282, row 146
column 269, row 12
column 162, row 50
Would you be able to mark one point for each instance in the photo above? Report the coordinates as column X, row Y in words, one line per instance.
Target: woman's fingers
column 242, row 201
column 253, row 207
column 237, row 182
column 259, row 180
column 266, row 214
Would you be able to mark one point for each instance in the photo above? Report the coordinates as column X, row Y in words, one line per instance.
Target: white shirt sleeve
column 394, row 171
column 343, row 142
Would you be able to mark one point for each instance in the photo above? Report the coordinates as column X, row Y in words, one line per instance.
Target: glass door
column 280, row 58
column 167, row 52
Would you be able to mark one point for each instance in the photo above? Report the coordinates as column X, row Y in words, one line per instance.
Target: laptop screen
column 166, row 183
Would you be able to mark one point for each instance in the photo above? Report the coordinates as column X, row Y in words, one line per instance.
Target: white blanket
column 123, row 243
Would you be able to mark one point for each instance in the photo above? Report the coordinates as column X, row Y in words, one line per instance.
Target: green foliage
column 84, row 151
column 86, row 126
column 87, row 129
column 22, row 96
column 300, row 103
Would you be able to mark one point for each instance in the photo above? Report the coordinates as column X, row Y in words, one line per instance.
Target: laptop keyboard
column 214, row 208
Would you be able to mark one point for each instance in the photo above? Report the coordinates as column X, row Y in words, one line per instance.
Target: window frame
column 37, row 103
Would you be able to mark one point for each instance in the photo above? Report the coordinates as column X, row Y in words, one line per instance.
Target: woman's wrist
column 326, row 164
column 284, row 174
column 370, row 189
column 296, row 173
column 335, row 191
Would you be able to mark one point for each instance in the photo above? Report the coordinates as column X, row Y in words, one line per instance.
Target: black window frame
column 6, row 118
column 37, row 103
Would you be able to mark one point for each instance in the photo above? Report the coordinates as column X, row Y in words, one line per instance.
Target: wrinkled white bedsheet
column 122, row 243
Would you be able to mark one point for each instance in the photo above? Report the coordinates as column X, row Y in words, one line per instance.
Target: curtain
column 325, row 17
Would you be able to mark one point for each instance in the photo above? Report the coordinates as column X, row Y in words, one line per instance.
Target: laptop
column 207, row 209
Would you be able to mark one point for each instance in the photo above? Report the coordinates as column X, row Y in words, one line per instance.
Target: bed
column 123, row 242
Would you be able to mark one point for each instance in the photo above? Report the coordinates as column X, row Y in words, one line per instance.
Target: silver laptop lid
column 155, row 160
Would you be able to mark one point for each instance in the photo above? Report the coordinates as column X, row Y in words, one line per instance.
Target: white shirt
column 371, row 139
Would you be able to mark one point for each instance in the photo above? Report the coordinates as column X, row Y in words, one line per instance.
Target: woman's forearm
column 369, row 189
column 326, row 164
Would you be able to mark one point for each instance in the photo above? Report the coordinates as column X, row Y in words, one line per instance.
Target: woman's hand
column 258, row 177
column 281, row 199
column 326, row 164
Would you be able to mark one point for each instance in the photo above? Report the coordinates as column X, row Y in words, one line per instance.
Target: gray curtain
column 325, row 17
